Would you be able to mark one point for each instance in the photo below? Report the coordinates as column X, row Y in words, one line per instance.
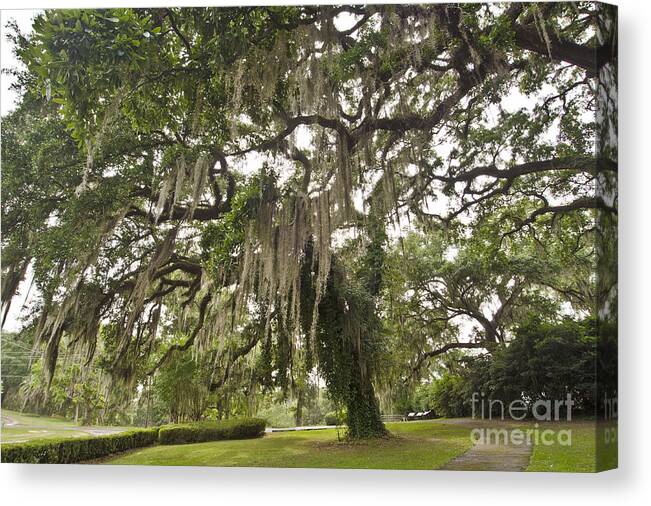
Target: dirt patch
column 389, row 440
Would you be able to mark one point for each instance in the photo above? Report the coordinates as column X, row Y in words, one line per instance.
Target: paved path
column 36, row 428
column 305, row 427
column 8, row 421
column 492, row 457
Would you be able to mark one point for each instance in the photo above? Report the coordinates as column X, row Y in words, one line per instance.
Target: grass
column 19, row 427
column 32, row 419
column 416, row 445
column 579, row 457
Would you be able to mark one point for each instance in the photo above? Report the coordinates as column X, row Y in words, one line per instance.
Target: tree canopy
column 298, row 192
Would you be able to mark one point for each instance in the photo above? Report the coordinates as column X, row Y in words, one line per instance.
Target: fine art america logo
column 543, row 410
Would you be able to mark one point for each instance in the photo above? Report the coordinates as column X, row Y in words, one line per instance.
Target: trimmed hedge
column 69, row 451
column 242, row 428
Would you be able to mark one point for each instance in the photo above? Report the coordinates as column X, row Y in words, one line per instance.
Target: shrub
column 68, row 451
column 200, row 432
column 548, row 361
column 541, row 361
column 278, row 415
column 335, row 418
column 450, row 396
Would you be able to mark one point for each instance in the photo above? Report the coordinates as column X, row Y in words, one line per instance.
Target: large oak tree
column 229, row 180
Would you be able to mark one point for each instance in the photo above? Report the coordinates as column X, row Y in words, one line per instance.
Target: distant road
column 306, row 427
column 19, row 427
column 7, row 421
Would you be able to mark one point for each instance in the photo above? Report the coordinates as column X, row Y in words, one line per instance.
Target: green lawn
column 19, row 427
column 416, row 445
column 580, row 457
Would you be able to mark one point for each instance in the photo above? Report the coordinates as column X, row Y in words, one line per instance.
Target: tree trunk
column 299, row 408
column 362, row 409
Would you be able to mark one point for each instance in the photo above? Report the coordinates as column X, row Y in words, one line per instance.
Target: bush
column 542, row 361
column 278, row 415
column 69, row 451
column 450, row 397
column 548, row 361
column 335, row 418
column 200, row 432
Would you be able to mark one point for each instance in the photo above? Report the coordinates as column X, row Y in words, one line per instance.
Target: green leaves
column 222, row 240
column 86, row 55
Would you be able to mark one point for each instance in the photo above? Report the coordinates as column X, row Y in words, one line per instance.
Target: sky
column 8, row 101
column 8, row 60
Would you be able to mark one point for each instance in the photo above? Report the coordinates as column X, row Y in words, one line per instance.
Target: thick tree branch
column 591, row 59
column 188, row 342
column 444, row 349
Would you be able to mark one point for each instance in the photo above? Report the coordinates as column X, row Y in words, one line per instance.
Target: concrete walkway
column 492, row 457
column 7, row 421
column 306, row 427
column 26, row 427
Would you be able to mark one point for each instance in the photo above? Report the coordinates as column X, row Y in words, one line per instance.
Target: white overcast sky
column 8, row 60
column 8, row 100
